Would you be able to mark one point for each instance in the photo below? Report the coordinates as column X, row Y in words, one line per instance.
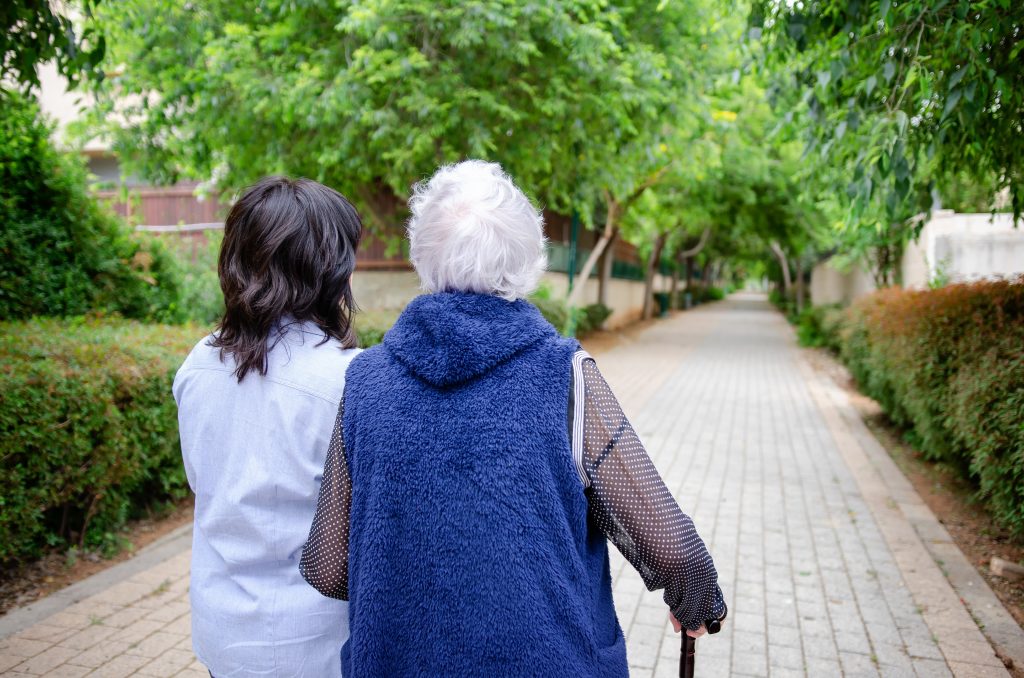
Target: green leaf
column 870, row 84
column 901, row 121
column 901, row 170
column 888, row 71
column 1016, row 50
column 952, row 99
column 902, row 187
column 957, row 76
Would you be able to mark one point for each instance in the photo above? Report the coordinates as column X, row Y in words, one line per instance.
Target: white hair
column 473, row 230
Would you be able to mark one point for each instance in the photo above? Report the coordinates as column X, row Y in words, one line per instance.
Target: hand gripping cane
column 689, row 648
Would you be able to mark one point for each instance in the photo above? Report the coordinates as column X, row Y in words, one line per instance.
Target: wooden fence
column 176, row 211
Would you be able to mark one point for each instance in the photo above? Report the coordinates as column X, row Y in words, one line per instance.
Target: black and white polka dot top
column 628, row 502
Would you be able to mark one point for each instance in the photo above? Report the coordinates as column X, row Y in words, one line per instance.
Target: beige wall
column 625, row 297
column 829, row 285
column 964, row 247
column 395, row 289
column 958, row 246
column 64, row 107
column 380, row 290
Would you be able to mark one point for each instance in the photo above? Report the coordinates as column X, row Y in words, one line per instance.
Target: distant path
column 815, row 533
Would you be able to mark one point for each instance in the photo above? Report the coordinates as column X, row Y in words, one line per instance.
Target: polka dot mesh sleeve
column 324, row 562
column 631, row 505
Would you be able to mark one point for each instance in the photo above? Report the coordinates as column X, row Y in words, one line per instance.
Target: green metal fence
column 558, row 261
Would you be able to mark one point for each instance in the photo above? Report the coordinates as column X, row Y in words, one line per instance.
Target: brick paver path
column 821, row 570
column 741, row 430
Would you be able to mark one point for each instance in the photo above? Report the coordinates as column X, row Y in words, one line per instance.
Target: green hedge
column 948, row 364
column 88, row 429
column 700, row 294
column 590, row 318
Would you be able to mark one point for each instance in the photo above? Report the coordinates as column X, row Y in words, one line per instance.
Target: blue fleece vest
column 470, row 552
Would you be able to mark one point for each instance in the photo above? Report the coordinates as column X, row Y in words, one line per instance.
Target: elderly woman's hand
column 677, row 627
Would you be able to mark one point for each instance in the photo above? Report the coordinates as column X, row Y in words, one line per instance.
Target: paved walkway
column 815, row 534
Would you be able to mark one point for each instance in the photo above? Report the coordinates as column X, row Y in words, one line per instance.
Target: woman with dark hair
column 479, row 466
column 256, row 401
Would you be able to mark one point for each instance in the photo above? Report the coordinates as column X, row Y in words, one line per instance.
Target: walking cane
column 689, row 650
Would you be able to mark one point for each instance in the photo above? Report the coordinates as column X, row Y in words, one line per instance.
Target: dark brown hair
column 289, row 250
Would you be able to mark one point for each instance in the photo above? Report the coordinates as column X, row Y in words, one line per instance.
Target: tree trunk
column 787, row 281
column 685, row 257
column 799, row 284
column 588, row 266
column 652, row 267
column 607, row 261
column 673, row 299
column 695, row 250
column 615, row 211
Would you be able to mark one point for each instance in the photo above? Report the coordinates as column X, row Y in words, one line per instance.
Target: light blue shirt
column 254, row 454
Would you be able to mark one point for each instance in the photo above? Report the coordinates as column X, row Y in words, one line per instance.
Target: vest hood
column 452, row 337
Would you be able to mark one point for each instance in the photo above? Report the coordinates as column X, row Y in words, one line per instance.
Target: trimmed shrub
column 61, row 252
column 370, row 335
column 88, row 429
column 200, row 294
column 700, row 295
column 820, row 326
column 948, row 364
column 712, row 293
column 592, row 317
column 554, row 309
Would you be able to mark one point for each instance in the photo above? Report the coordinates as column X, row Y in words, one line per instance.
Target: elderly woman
column 479, row 464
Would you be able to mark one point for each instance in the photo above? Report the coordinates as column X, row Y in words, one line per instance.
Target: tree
column 694, row 44
column 756, row 196
column 34, row 32
column 371, row 98
column 64, row 253
column 900, row 94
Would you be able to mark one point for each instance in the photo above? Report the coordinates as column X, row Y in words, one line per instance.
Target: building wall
column 394, row 289
column 964, row 247
column 625, row 297
column 957, row 247
column 829, row 285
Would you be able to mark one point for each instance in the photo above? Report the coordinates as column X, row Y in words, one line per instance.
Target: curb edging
column 167, row 546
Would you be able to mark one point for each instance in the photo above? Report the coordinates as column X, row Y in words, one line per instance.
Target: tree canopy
column 371, row 97
column 804, row 128
column 35, row 32
column 905, row 97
